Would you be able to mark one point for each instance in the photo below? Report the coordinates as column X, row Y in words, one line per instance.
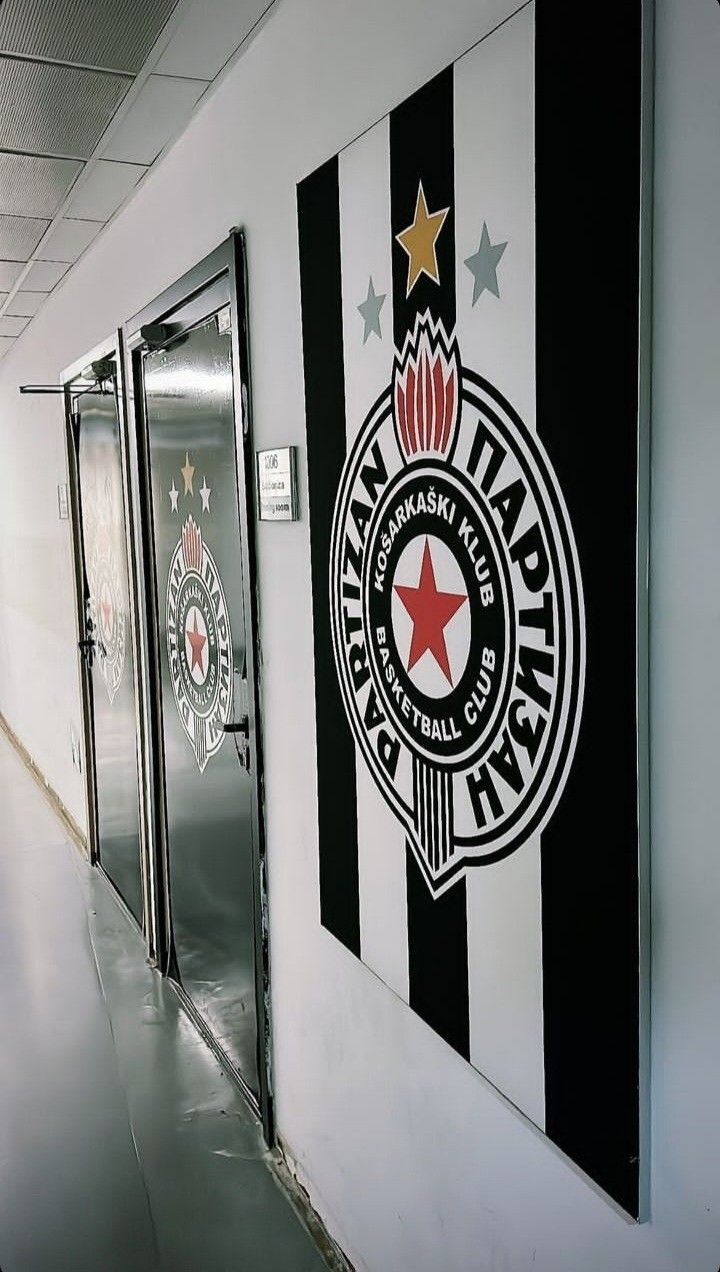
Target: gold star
column 187, row 473
column 419, row 240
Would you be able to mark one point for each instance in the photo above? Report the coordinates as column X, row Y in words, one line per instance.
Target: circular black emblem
column 108, row 615
column 199, row 643
column 456, row 608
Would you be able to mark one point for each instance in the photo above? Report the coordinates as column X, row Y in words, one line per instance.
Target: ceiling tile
column 25, row 304
column 12, row 326
column 68, row 240
column 19, row 236
column 56, row 110
column 5, row 344
column 93, row 32
column 33, row 186
column 103, row 191
column 10, row 271
column 44, row 275
column 160, row 111
column 207, row 35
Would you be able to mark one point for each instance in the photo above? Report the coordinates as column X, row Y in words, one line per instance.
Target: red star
column 430, row 612
column 197, row 644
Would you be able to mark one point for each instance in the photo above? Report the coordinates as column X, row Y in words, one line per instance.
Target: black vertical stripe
column 422, row 150
column 438, row 957
column 588, row 218
column 321, row 293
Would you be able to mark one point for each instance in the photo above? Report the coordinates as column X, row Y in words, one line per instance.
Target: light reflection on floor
column 123, row 1146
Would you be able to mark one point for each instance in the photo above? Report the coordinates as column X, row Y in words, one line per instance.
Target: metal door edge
column 226, row 262
column 112, row 348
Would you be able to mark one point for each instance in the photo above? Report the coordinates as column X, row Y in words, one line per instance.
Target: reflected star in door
column 107, row 616
column 197, row 641
column 188, row 472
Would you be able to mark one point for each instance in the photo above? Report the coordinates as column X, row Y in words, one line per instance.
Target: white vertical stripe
column 365, row 236
column 505, row 952
column 494, row 186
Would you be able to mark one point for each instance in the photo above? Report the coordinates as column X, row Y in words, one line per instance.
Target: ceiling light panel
column 161, row 109
column 68, row 240
column 117, row 34
column 106, row 186
column 12, row 326
column 25, row 304
column 207, row 36
column 19, row 236
column 44, row 275
column 56, row 110
column 35, row 187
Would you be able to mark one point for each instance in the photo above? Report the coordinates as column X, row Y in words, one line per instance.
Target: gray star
column 370, row 312
column 483, row 265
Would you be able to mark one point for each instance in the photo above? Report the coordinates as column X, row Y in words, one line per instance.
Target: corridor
column 123, row 1147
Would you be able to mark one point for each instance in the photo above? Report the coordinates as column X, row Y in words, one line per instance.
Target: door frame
column 77, row 379
column 227, row 263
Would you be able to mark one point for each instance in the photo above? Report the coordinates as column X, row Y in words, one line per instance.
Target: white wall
column 414, row 1163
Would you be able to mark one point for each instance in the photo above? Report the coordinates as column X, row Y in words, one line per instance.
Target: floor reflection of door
column 109, row 643
column 188, row 389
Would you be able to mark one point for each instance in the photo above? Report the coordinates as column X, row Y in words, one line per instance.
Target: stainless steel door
column 108, row 644
column 187, row 385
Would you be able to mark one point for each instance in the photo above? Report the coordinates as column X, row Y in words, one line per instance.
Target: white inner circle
column 427, row 674
column 195, row 620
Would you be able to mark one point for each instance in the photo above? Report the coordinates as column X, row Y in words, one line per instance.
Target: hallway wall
column 412, row 1160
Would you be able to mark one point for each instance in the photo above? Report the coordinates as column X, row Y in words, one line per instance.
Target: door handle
column 240, row 728
column 86, row 648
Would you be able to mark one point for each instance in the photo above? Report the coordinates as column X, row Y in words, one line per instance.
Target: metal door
column 106, row 641
column 186, row 373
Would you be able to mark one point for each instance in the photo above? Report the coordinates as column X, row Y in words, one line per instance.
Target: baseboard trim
column 282, row 1167
column 52, row 797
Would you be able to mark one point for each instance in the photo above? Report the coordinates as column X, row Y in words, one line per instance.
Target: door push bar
column 240, row 727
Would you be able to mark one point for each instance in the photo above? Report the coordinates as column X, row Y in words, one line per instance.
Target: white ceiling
column 91, row 93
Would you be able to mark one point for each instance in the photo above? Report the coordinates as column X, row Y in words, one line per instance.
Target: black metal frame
column 219, row 279
column 75, row 382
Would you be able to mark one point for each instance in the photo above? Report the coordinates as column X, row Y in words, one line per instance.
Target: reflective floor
column 123, row 1147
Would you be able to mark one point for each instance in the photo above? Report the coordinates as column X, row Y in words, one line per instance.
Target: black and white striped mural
column 471, row 398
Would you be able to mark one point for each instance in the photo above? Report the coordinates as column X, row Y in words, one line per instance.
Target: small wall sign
column 62, row 494
column 277, row 485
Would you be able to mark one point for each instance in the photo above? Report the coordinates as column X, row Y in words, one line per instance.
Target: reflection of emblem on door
column 199, row 643
column 457, row 616
column 107, row 612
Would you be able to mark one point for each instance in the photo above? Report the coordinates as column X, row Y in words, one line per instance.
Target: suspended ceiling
column 91, row 92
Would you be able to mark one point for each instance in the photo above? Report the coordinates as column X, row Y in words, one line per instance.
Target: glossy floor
column 123, row 1147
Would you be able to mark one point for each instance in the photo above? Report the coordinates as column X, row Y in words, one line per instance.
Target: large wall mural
column 473, row 565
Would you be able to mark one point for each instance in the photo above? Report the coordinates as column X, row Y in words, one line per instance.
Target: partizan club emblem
column 199, row 643
column 108, row 615
column 456, row 611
